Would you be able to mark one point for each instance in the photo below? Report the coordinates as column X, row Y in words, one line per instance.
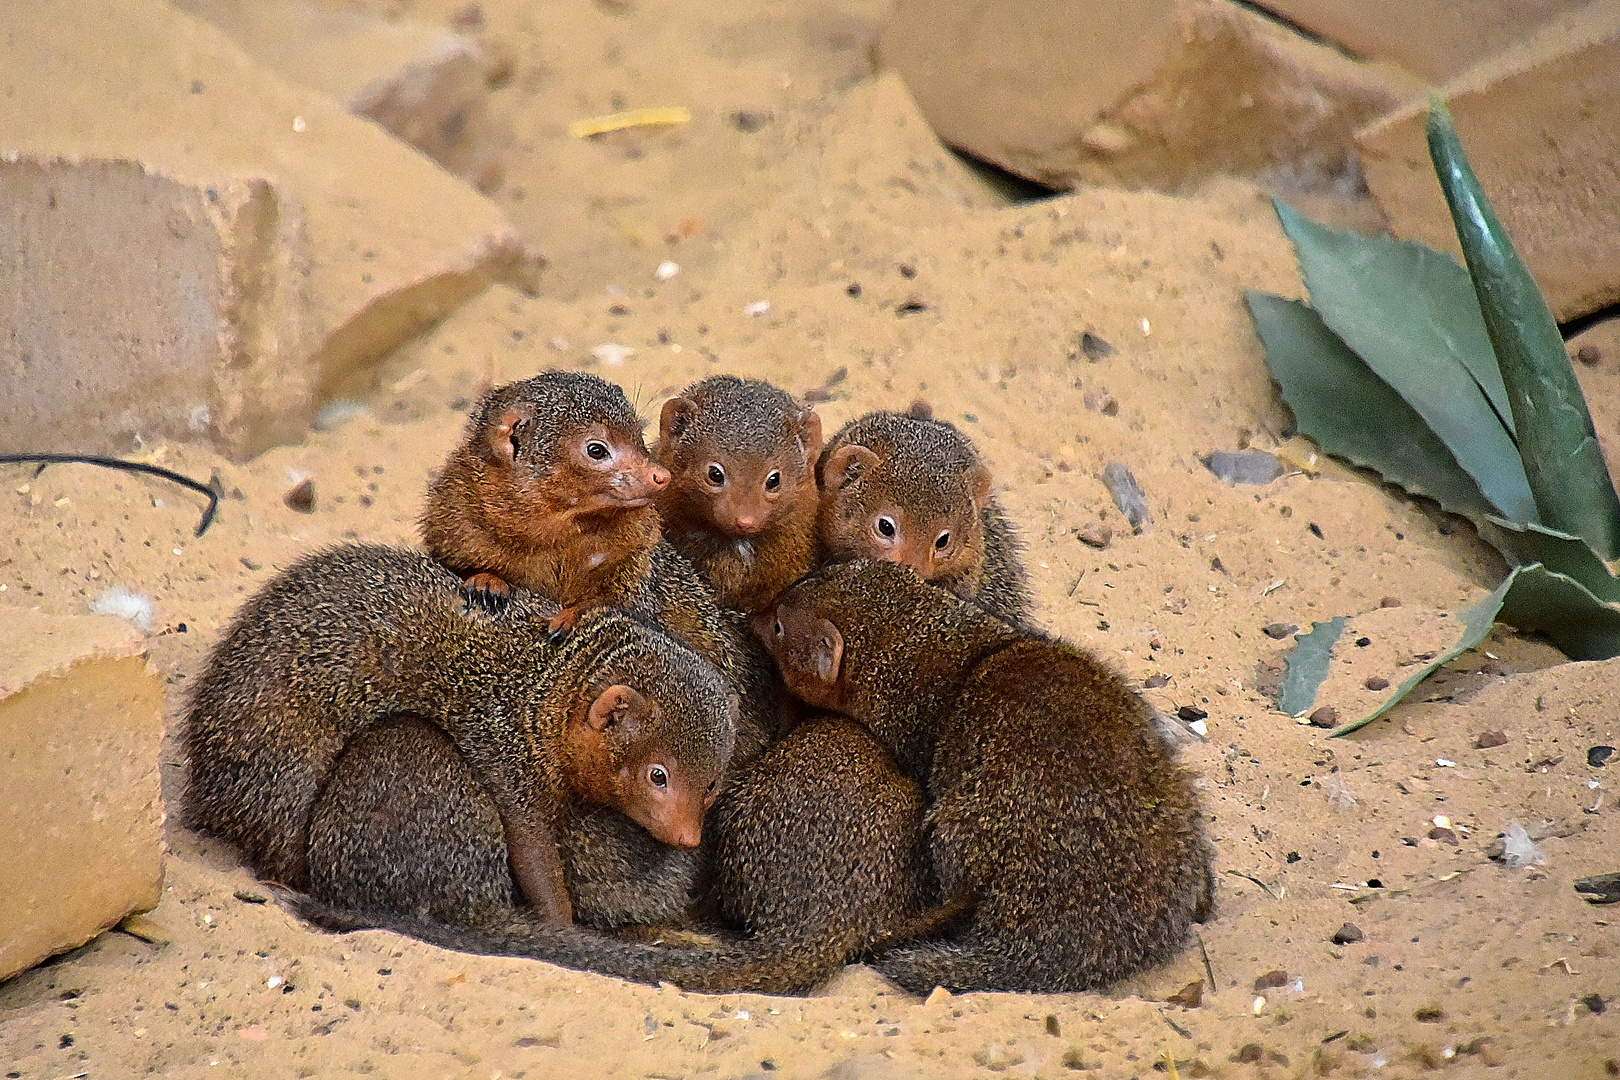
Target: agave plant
column 1454, row 384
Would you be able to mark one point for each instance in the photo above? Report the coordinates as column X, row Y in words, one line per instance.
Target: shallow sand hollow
column 838, row 245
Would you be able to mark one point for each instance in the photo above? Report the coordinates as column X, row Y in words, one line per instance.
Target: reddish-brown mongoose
column 618, row 715
column 551, row 489
column 910, row 489
column 819, row 856
column 1055, row 813
column 742, row 497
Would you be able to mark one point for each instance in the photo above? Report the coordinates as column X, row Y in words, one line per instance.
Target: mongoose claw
column 487, row 593
column 561, row 623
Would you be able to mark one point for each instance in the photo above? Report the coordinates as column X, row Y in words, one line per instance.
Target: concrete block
column 1541, row 126
column 393, row 241
column 1433, row 39
column 1138, row 93
column 179, row 309
column 81, row 813
column 422, row 83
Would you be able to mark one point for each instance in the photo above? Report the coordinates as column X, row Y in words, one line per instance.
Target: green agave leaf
column 1581, row 625
column 1352, row 413
column 1308, row 666
column 1562, row 459
column 1410, row 313
column 1558, row 552
column 1476, row 620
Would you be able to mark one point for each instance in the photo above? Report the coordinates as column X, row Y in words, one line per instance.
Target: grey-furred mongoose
column 819, row 856
column 618, row 715
column 551, row 489
column 1055, row 813
column 742, row 498
column 911, row 489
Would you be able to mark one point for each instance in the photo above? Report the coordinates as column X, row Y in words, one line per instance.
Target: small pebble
column 1190, row 713
column 1348, row 934
column 1492, row 667
column 301, row 498
column 1190, row 996
column 1096, row 534
column 1094, row 347
column 1325, row 717
column 1445, row 836
column 1279, row 630
column 1595, row 1004
column 1390, row 601
column 1433, row 1014
column 1487, row 739
column 1589, row 354
column 757, row 308
column 1377, row 683
column 1598, row 756
column 938, row 995
column 1250, row 1052
column 1271, row 979
column 1155, row 681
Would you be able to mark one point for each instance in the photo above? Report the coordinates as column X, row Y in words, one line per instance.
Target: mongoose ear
column 507, row 433
column 920, row 410
column 848, row 462
column 675, row 421
column 617, row 706
column 810, row 432
column 829, row 651
column 979, row 484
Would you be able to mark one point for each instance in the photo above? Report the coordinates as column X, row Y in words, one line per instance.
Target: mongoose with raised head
column 742, row 498
column 819, row 856
column 910, row 489
column 1055, row 814
column 550, row 489
column 618, row 715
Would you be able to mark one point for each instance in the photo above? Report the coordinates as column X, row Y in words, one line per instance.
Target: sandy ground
column 891, row 271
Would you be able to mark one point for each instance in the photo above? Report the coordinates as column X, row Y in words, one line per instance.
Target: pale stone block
column 1541, row 126
column 1137, row 93
column 81, row 811
column 394, row 242
column 1433, row 39
column 426, row 85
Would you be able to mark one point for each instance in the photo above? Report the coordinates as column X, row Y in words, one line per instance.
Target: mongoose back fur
column 819, row 856
column 618, row 715
column 1055, row 813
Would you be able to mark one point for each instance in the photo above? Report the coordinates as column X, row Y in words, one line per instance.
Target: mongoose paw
column 486, row 592
column 562, row 622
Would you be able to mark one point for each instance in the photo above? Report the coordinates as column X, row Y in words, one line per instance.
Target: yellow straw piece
column 596, row 125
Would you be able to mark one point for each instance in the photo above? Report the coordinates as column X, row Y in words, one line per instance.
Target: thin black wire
column 127, row 466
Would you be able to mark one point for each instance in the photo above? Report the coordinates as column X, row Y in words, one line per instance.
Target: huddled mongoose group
column 571, row 716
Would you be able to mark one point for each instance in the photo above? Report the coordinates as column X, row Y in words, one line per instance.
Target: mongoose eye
column 942, row 541
column 597, row 450
column 885, row 527
column 778, row 627
column 657, row 776
column 773, row 481
column 717, row 475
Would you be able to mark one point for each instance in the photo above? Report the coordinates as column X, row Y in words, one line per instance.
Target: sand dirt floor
column 838, row 245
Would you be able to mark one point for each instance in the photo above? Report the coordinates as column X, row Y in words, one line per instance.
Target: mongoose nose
column 687, row 836
column 747, row 525
column 658, row 476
